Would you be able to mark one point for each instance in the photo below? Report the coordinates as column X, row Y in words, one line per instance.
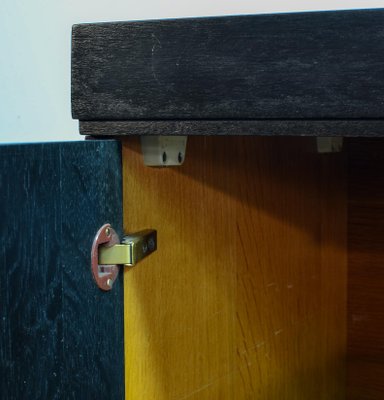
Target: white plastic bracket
column 329, row 144
column 163, row 151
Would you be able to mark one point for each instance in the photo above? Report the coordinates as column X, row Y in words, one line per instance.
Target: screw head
column 109, row 283
column 107, row 231
column 151, row 244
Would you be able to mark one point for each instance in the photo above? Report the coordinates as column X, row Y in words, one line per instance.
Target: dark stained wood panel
column 366, row 270
column 60, row 336
column 313, row 65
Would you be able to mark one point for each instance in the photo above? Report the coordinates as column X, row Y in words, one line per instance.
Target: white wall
column 35, row 37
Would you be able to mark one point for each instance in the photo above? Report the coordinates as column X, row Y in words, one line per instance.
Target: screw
column 109, row 282
column 151, row 244
column 107, row 231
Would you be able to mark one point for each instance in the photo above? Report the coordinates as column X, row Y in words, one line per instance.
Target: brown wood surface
column 366, row 270
column 246, row 296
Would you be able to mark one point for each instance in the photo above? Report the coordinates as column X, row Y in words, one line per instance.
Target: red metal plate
column 104, row 275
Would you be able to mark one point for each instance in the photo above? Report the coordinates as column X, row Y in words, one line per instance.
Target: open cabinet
column 267, row 281
column 272, row 288
column 246, row 296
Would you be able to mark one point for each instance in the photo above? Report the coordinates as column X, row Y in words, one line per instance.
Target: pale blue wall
column 35, row 51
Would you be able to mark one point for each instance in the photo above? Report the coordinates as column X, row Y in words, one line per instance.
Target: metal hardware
column 104, row 275
column 163, row 151
column 132, row 249
column 329, row 144
column 108, row 253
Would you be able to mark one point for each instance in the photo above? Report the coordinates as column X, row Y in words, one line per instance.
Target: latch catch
column 108, row 253
column 163, row 151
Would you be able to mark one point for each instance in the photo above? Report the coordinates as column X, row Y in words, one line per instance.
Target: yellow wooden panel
column 245, row 297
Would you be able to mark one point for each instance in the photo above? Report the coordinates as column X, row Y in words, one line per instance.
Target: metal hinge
column 108, row 253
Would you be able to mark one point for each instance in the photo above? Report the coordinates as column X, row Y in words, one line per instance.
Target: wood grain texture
column 318, row 65
column 366, row 272
column 246, row 296
column 344, row 128
column 60, row 336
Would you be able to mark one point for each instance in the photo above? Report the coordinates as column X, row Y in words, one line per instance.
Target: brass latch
column 132, row 249
column 108, row 253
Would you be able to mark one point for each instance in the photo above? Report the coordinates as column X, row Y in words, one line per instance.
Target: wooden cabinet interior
column 246, row 295
column 365, row 270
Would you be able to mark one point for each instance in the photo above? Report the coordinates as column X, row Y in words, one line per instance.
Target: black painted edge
column 343, row 128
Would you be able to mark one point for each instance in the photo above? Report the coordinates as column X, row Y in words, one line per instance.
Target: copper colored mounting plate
column 104, row 275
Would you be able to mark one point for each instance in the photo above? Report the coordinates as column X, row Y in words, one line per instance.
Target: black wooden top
column 323, row 66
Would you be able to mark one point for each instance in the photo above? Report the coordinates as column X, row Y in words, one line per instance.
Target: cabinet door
column 246, row 296
column 60, row 336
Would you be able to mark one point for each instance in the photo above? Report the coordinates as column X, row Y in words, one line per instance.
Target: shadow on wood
column 246, row 295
